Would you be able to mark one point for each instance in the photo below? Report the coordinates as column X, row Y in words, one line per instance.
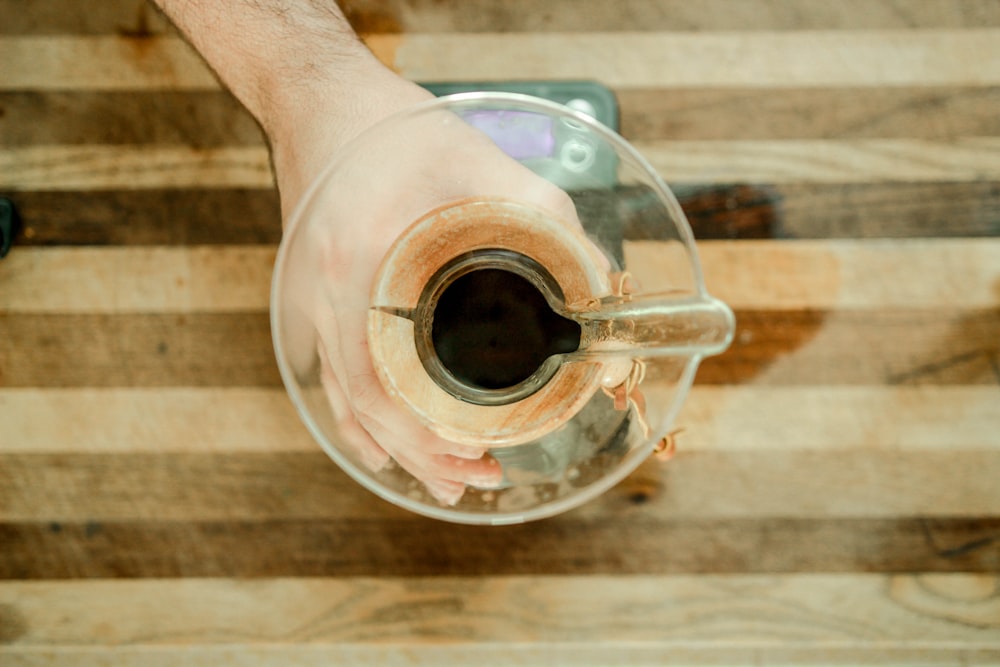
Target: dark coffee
column 493, row 328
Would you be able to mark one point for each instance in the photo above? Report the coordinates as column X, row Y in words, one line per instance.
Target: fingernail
column 446, row 494
column 466, row 452
column 374, row 459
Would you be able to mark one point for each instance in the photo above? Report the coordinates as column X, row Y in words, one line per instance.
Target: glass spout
column 690, row 326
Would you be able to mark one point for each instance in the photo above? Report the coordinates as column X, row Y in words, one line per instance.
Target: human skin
column 311, row 84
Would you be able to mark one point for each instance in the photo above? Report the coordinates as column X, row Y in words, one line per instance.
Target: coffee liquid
column 493, row 328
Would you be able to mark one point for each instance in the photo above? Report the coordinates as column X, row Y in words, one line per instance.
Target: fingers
column 378, row 428
column 371, row 454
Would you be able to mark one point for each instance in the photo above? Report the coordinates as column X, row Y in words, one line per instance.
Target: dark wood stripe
column 771, row 347
column 161, row 350
column 900, row 210
column 421, row 547
column 150, row 217
column 735, row 211
column 809, row 113
column 201, row 119
column 66, row 17
column 214, row 118
column 129, row 16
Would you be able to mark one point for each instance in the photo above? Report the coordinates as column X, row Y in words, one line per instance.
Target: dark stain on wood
column 420, row 547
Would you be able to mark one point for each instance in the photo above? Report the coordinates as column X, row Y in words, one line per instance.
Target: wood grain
column 136, row 17
column 153, row 350
column 812, row 161
column 803, row 484
column 117, row 167
column 401, row 547
column 714, row 418
column 717, row 114
column 199, row 119
column 746, row 275
column 210, row 118
column 844, row 347
column 108, row 167
column 707, row 59
column 748, row 611
column 772, row 59
column 139, row 279
column 834, row 496
column 155, row 216
column 214, row 216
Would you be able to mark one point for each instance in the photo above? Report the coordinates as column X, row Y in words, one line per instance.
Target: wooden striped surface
column 836, row 496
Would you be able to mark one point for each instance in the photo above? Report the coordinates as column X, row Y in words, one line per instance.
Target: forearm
column 301, row 71
column 270, row 53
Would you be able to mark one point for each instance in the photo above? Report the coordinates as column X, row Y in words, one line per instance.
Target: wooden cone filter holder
column 402, row 306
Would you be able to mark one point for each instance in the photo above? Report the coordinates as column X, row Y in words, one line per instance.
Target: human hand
column 376, row 191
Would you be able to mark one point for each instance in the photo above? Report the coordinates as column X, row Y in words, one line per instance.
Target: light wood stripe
column 667, row 59
column 714, row 418
column 873, row 58
column 412, row 16
column 843, row 274
column 151, row 420
column 746, row 274
column 123, row 167
column 860, row 612
column 138, row 279
column 459, row 654
column 101, row 63
column 91, row 167
column 824, row 161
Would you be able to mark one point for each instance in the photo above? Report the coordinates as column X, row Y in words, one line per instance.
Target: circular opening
column 493, row 329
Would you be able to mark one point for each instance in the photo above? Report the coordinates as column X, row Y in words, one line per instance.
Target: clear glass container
column 603, row 313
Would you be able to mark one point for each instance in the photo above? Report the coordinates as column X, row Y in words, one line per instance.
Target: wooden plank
column 859, row 611
column 726, row 211
column 199, row 118
column 152, row 350
column 157, row 420
column 156, row 216
column 207, row 119
column 843, row 347
column 138, row 279
column 653, row 60
column 832, row 210
column 135, row 17
column 740, row 59
column 713, row 114
column 714, row 418
column 745, row 274
column 842, row 274
column 256, row 486
column 888, row 211
column 414, row 546
column 859, row 347
column 102, row 63
column 57, row 17
column 820, row 161
column 589, row 15
column 477, row 655
column 105, row 167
